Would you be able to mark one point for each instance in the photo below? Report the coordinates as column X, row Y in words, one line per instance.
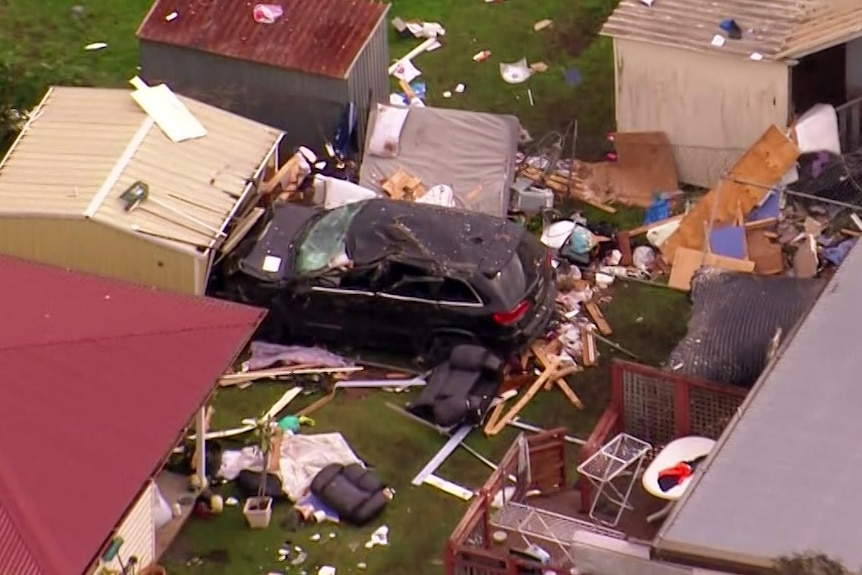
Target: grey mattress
column 461, row 149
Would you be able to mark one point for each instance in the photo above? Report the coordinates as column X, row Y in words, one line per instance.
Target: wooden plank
column 762, row 166
column 598, row 318
column 688, row 261
column 531, row 392
column 522, row 402
column 589, row 356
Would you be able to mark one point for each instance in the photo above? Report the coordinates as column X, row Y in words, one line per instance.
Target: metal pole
column 790, row 192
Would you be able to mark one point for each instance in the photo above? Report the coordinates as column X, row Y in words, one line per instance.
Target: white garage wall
column 138, row 532
column 712, row 107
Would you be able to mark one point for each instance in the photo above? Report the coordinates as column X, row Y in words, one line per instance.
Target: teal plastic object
column 292, row 423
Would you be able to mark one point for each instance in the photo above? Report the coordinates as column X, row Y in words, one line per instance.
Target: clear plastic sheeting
column 734, row 320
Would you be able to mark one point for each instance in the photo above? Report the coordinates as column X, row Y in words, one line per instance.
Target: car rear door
column 410, row 309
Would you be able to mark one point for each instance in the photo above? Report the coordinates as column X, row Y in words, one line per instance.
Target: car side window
column 357, row 280
column 416, row 288
column 456, row 291
column 404, row 280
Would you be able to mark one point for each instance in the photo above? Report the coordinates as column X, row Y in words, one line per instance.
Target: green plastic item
column 292, row 423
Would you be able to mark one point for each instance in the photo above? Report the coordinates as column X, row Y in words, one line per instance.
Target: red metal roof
column 317, row 37
column 98, row 379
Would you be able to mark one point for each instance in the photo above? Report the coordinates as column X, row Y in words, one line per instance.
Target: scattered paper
column 379, row 537
column 648, row 2
column 95, row 46
column 426, row 29
column 326, row 570
column 460, row 88
column 718, row 41
column 756, row 56
column 267, row 13
column 515, row 72
column 447, row 94
column 271, row 264
column 172, row 16
column 542, row 25
column 406, row 71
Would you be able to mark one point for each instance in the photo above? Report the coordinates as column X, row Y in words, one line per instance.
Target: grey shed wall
column 306, row 107
column 368, row 79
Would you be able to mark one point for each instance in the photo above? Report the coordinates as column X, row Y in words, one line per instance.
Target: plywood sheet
column 687, row 261
column 764, row 252
column 645, row 165
column 763, row 164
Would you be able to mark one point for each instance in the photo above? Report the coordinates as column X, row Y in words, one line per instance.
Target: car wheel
column 441, row 346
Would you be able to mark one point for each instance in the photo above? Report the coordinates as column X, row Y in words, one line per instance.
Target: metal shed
column 297, row 74
column 670, row 70
column 784, row 476
column 60, row 187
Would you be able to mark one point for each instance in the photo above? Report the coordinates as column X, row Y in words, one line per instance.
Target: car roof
column 454, row 239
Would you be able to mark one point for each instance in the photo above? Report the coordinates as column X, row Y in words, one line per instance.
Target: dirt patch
column 575, row 35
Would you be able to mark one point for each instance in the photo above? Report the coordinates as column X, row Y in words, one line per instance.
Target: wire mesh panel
column 710, row 411
column 648, row 407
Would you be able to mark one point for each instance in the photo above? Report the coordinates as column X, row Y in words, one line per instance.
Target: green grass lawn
column 648, row 322
column 42, row 43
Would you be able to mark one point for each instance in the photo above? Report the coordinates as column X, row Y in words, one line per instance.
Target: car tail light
column 513, row 315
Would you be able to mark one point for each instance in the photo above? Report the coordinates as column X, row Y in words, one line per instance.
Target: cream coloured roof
column 83, row 140
column 777, row 29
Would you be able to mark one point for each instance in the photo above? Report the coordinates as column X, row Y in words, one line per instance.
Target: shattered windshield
column 324, row 241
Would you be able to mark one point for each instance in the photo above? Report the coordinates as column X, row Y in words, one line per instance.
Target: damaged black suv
column 392, row 275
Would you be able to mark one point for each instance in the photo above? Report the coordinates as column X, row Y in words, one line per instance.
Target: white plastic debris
column 326, row 570
column 362, row 566
column 460, row 88
column 172, row 16
column 642, row 257
column 379, row 537
column 231, row 501
column 756, row 56
column 95, row 46
column 718, row 41
column 556, row 234
column 315, row 537
column 515, row 72
column 439, row 195
column 447, row 94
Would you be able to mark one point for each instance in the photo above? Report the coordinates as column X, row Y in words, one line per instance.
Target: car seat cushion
column 352, row 491
column 468, row 357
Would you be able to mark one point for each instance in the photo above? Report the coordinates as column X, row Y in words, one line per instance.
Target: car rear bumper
column 521, row 338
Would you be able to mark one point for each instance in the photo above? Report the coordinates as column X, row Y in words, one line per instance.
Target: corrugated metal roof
column 314, row 37
column 98, row 375
column 78, row 135
column 785, row 476
column 776, row 29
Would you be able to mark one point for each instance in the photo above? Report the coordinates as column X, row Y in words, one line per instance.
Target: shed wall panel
column 307, row 107
column 138, row 530
column 712, row 107
column 368, row 81
column 91, row 247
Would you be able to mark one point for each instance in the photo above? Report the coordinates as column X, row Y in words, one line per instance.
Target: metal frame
column 613, row 471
